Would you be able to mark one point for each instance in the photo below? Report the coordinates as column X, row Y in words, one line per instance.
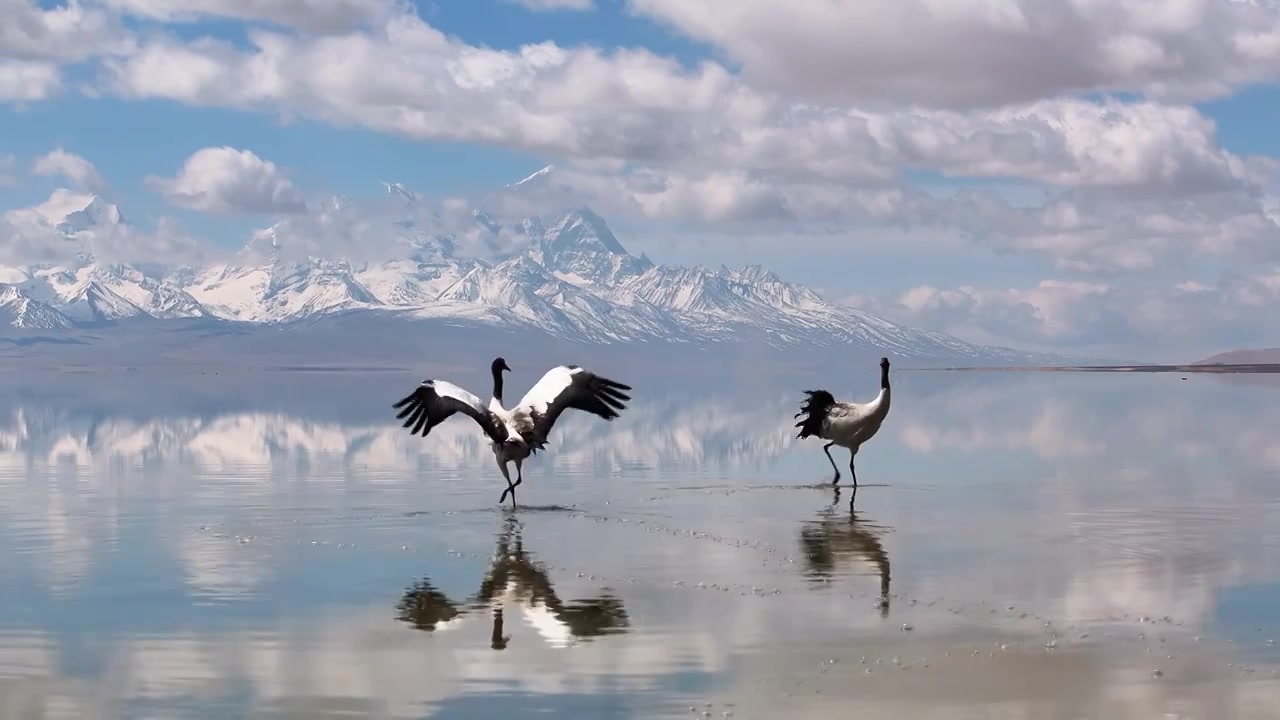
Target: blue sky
column 1096, row 178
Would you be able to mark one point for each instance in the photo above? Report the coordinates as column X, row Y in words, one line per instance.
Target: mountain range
column 1252, row 356
column 563, row 274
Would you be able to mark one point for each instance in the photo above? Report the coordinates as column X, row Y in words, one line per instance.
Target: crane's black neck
column 884, row 377
column 497, row 384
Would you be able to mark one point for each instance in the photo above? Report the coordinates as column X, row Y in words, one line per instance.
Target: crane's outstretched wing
column 435, row 400
column 561, row 388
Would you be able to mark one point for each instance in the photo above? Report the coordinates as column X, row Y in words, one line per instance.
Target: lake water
column 1024, row 545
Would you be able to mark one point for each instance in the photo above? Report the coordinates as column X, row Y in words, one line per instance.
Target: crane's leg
column 854, row 473
column 519, row 479
column 510, row 488
column 827, row 449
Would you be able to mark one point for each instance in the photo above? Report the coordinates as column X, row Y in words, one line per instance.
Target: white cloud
column 968, row 53
column 1052, row 310
column 1094, row 230
column 318, row 16
column 636, row 107
column 67, row 33
column 638, row 133
column 81, row 172
column 227, row 180
column 38, row 234
column 550, row 5
column 1181, row 321
column 363, row 229
column 26, row 81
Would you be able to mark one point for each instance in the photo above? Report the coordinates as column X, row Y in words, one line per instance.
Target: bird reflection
column 831, row 537
column 515, row 579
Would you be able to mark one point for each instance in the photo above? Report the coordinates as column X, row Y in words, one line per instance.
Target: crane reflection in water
column 514, row 578
column 832, row 538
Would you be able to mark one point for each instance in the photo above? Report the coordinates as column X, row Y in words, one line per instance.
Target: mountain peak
column 98, row 213
column 535, row 176
column 71, row 212
column 399, row 190
column 581, row 228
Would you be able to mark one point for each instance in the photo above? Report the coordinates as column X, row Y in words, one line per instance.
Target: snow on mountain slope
column 280, row 292
column 563, row 273
column 98, row 293
column 114, row 292
column 19, row 310
column 521, row 291
column 82, row 294
column 411, row 283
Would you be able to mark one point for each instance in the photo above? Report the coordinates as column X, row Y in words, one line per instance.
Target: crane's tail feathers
column 814, row 410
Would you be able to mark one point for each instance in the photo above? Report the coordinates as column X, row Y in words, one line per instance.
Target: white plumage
column 521, row 431
column 846, row 424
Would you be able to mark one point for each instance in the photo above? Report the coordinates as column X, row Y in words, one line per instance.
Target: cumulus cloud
column 394, row 226
column 637, row 107
column 1096, row 231
column 317, row 16
column 67, row 33
column 81, row 172
column 699, row 143
column 1054, row 310
column 1183, row 317
column 228, row 181
column 27, row 81
column 718, row 197
column 72, row 223
column 670, row 142
column 1092, row 230
column 35, row 41
column 972, row 53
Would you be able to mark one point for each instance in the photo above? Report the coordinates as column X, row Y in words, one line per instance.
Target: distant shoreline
column 1242, row 368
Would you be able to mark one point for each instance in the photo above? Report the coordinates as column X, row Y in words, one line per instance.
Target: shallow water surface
column 1023, row 545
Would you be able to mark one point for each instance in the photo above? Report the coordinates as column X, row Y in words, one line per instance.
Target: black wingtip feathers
column 608, row 397
column 814, row 410
column 415, row 410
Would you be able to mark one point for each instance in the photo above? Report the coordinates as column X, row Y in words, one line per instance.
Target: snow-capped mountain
column 88, row 292
column 563, row 273
column 19, row 310
column 85, row 290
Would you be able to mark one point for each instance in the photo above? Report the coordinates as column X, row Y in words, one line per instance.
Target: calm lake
column 1024, row 545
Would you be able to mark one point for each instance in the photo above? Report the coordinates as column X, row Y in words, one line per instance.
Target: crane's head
column 500, row 365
